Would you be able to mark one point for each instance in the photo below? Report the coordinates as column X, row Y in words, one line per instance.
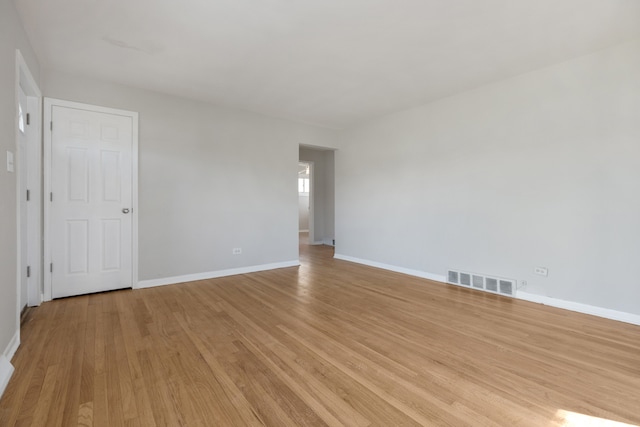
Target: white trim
column 46, row 179
column 215, row 274
column 620, row 316
column 13, row 345
column 24, row 79
column 410, row 272
column 21, row 64
column 6, row 371
column 328, row 241
column 312, row 199
column 49, row 103
column 35, row 208
column 6, row 368
column 134, row 195
column 303, row 231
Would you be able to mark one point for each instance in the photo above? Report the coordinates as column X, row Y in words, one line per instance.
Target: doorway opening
column 305, row 217
column 28, row 186
column 316, row 206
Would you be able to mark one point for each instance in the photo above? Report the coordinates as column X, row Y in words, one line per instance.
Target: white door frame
column 312, row 228
column 25, row 80
column 309, row 210
column 49, row 103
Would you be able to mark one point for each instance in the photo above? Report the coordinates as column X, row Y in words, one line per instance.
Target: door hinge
column 51, row 197
column 28, row 195
column 50, row 125
column 51, row 268
column 28, row 119
column 28, row 271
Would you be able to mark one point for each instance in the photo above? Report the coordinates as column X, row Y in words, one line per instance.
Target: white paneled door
column 91, row 201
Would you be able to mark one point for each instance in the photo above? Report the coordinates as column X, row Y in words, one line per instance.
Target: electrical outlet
column 541, row 271
column 523, row 284
column 237, row 251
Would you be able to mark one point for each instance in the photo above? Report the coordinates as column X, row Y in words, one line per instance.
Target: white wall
column 12, row 37
column 323, row 192
column 210, row 179
column 538, row 170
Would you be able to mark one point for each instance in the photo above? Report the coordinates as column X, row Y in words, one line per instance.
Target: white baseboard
column 410, row 272
column 6, row 371
column 215, row 274
column 6, row 368
column 620, row 316
column 606, row 313
column 13, row 345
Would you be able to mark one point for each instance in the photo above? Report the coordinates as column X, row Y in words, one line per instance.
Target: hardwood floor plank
column 329, row 343
column 85, row 415
column 162, row 404
column 221, row 388
column 283, row 362
column 26, row 394
column 131, row 337
column 340, row 387
column 41, row 413
column 69, row 396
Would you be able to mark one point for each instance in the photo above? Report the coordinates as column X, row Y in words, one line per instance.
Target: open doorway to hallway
column 304, row 183
column 316, row 187
column 304, row 205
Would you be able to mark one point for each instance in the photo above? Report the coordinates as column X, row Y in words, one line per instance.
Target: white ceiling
column 327, row 62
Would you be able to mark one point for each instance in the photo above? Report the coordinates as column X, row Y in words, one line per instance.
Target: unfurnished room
column 308, row 213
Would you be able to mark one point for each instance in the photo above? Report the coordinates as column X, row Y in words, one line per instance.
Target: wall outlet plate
column 541, row 271
column 237, row 251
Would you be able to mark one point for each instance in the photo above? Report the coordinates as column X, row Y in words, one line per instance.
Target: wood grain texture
column 329, row 343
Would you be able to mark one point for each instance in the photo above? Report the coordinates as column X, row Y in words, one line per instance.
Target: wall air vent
column 506, row 287
column 453, row 277
column 465, row 279
column 493, row 284
column 478, row 282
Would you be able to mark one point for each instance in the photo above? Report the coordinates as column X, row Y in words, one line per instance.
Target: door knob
column 125, row 210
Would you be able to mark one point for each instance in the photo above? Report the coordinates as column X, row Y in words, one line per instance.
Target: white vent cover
column 493, row 284
column 453, row 277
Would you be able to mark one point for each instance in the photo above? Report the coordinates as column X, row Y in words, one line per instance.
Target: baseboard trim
column 214, row 274
column 328, row 242
column 6, row 368
column 13, row 345
column 6, row 371
column 410, row 272
column 606, row 313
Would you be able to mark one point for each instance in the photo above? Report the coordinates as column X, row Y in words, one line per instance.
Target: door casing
column 32, row 216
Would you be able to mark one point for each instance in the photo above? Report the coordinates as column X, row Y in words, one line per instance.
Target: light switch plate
column 9, row 161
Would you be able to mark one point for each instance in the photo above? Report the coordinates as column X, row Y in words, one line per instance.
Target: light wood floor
column 329, row 343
